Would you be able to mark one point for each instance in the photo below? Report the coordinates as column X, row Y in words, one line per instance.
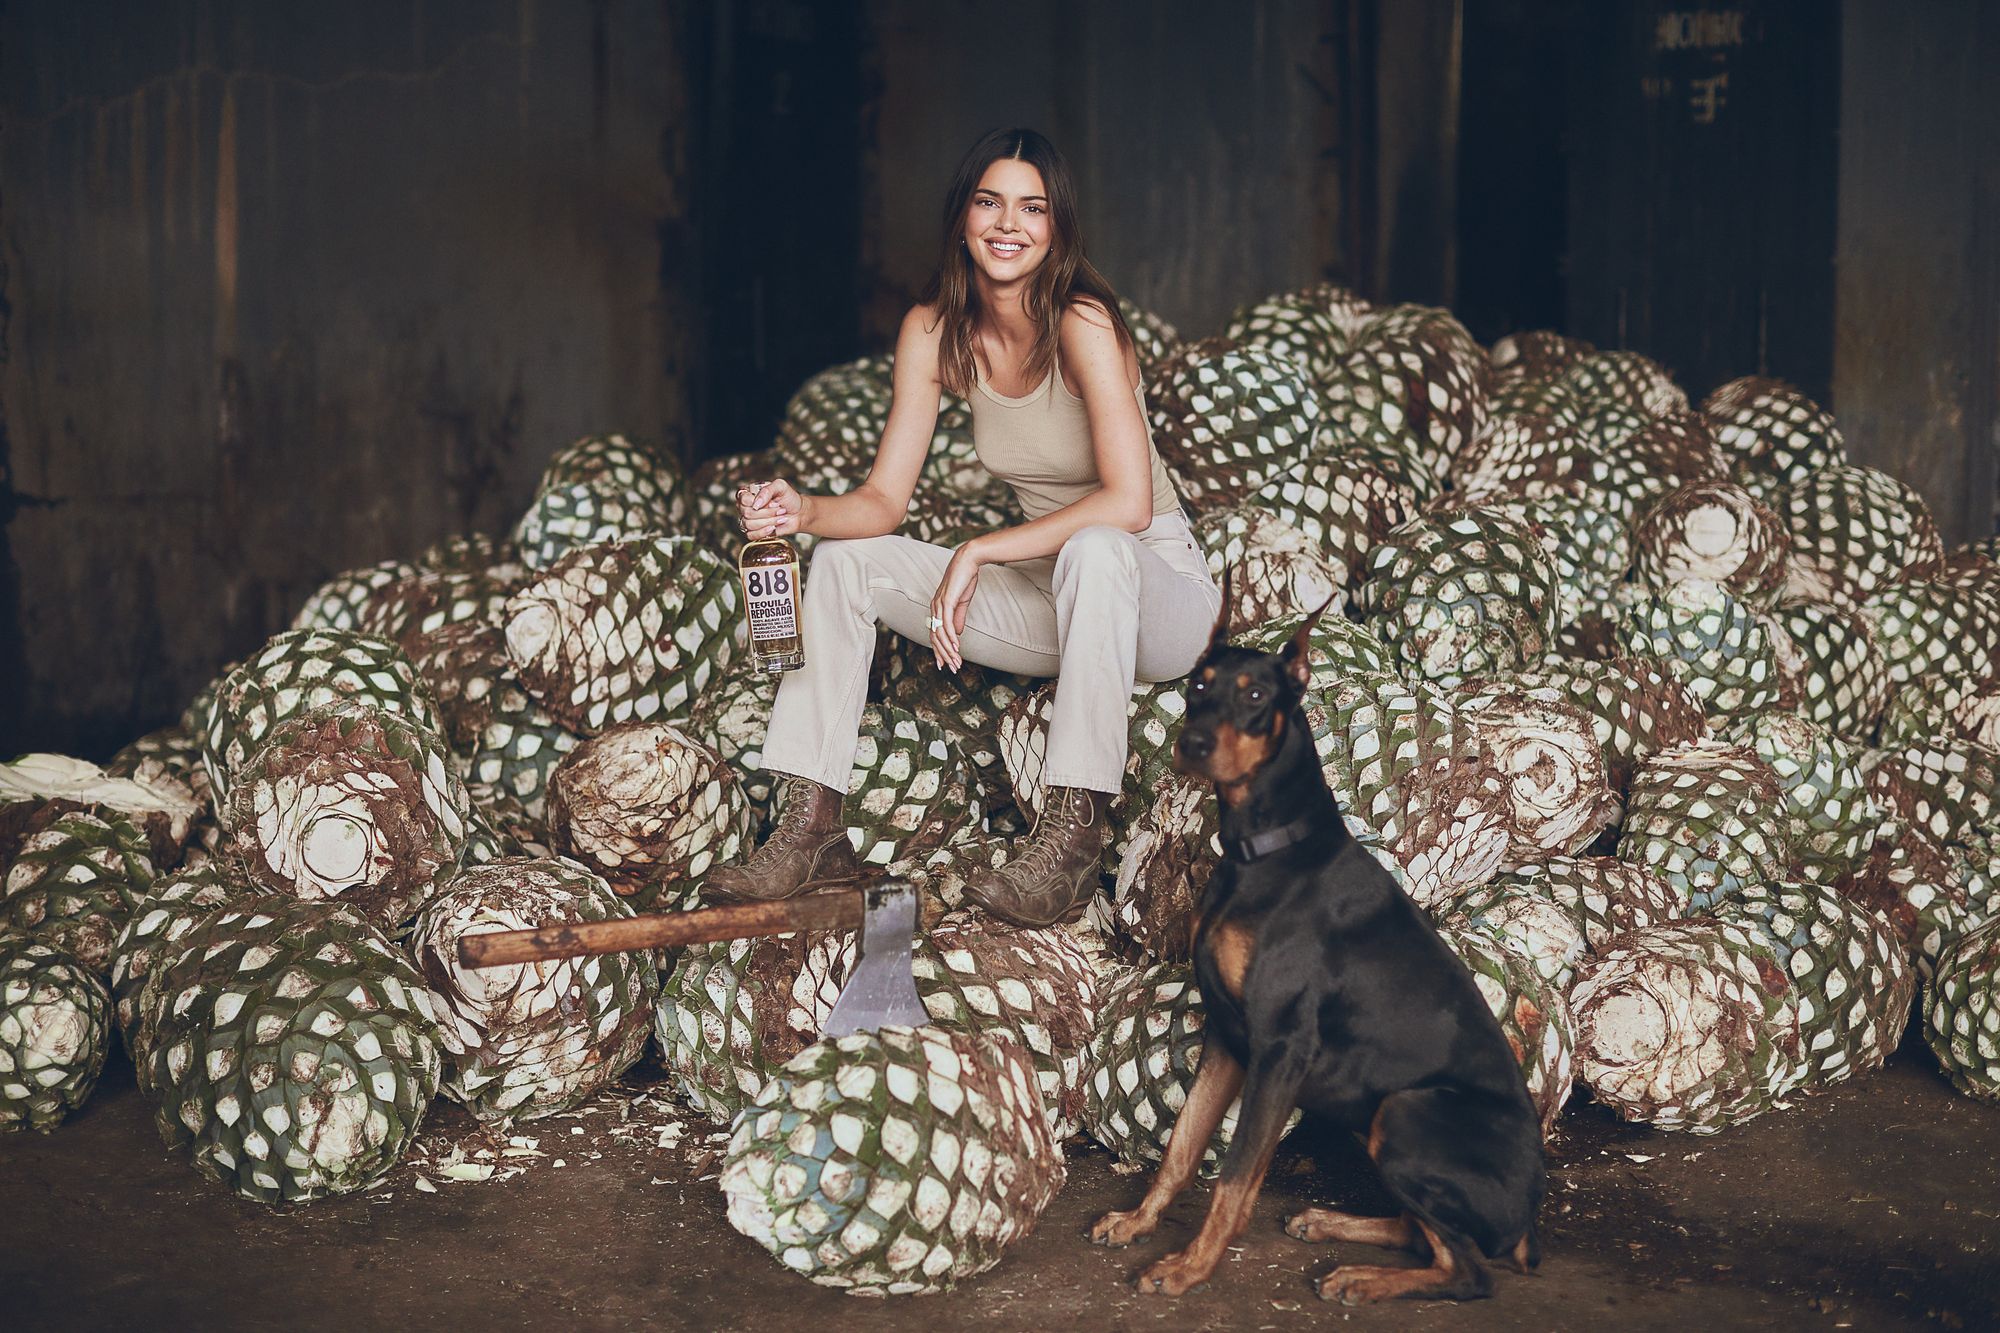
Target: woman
column 1103, row 584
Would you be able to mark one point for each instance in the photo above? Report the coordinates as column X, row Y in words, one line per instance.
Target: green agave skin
column 295, row 1050
column 55, row 1027
column 75, row 880
column 894, row 1162
column 1962, row 1013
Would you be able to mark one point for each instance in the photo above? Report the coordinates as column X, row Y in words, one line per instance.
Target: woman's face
column 1007, row 227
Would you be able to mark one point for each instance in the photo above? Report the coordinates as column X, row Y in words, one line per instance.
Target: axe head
column 881, row 991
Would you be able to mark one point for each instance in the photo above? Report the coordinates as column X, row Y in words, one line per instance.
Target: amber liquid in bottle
column 770, row 570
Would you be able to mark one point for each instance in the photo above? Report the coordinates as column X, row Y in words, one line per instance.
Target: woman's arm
column 1091, row 348
column 878, row 504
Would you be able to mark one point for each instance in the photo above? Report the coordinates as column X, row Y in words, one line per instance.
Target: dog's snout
column 1197, row 745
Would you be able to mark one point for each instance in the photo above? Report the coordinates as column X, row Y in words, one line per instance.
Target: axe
column 880, row 992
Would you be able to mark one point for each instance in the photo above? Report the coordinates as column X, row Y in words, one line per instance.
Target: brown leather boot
column 1054, row 875
column 808, row 849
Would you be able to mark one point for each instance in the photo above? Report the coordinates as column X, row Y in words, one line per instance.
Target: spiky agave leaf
column 350, row 802
column 531, row 1039
column 1708, row 816
column 730, row 1013
column 649, row 808
column 294, row 1050
column 1691, row 1025
column 909, row 789
column 1143, row 1057
column 625, row 631
column 894, row 1162
column 1962, row 1013
column 55, row 1027
column 1850, row 975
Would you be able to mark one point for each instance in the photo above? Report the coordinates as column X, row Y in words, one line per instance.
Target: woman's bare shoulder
column 1087, row 312
column 924, row 321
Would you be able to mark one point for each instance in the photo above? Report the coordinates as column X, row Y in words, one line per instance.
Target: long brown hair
column 1063, row 276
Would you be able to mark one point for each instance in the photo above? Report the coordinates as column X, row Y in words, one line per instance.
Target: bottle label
column 771, row 592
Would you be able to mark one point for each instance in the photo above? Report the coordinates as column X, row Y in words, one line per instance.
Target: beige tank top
column 1040, row 446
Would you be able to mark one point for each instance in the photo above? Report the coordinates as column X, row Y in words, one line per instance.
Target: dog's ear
column 1297, row 665
column 1218, row 638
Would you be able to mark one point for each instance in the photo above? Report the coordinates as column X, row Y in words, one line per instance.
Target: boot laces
column 1043, row 852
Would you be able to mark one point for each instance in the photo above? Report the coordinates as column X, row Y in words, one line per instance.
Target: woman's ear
column 1218, row 638
column 1297, row 664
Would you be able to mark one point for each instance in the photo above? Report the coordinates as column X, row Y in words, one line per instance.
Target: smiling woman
column 1102, row 585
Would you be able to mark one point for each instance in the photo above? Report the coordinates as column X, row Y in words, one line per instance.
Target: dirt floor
column 1876, row 1205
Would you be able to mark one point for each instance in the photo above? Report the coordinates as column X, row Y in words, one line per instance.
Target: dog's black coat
column 1351, row 1004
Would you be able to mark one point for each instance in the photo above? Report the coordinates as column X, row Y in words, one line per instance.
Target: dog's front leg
column 1268, row 1098
column 1217, row 1079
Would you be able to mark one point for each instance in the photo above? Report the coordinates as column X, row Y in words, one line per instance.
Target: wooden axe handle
column 814, row 911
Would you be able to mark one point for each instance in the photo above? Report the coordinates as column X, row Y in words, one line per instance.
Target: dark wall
column 1207, row 140
column 1917, row 353
column 293, row 288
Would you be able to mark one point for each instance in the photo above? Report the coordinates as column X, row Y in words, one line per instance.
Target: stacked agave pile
column 1681, row 726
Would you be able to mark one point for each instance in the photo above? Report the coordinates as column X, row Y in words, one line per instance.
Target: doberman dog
column 1327, row 989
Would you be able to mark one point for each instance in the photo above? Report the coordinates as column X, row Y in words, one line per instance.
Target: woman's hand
column 949, row 604
column 769, row 509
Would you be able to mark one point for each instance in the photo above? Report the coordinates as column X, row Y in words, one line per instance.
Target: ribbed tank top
column 1040, row 446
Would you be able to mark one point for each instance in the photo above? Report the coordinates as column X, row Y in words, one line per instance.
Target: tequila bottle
column 770, row 570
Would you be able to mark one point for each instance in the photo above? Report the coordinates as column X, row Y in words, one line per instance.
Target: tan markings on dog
column 1231, row 945
column 1217, row 1080
column 1228, row 1214
column 1523, row 1256
column 1375, row 1131
column 1237, row 757
column 1363, row 1284
column 1318, row 1225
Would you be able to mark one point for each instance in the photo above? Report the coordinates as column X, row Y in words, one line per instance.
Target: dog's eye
column 1256, row 695
column 1197, row 687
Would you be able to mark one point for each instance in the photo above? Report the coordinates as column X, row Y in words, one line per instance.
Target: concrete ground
column 1873, row 1206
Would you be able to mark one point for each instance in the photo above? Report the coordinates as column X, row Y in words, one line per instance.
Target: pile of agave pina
column 1685, row 730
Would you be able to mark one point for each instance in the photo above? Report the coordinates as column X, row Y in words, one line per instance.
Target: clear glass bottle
column 770, row 570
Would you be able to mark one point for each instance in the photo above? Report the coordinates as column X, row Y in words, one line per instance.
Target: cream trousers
column 1112, row 607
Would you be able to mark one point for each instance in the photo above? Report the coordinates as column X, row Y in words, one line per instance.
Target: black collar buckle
column 1269, row 840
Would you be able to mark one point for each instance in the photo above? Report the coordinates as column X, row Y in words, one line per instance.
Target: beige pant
column 1110, row 608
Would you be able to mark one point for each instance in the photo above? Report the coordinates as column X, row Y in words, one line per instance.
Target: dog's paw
column 1173, row 1276
column 1313, row 1225
column 1121, row 1228
column 1361, row 1284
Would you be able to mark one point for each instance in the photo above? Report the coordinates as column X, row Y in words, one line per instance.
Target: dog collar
column 1270, row 840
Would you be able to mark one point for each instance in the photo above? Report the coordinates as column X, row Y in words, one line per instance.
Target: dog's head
column 1238, row 701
